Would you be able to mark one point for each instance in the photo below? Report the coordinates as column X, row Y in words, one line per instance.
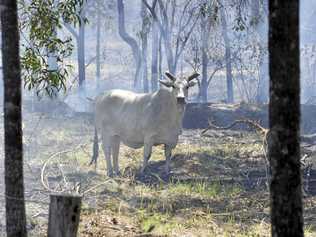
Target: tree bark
column 14, row 181
column 144, row 36
column 81, row 54
column 154, row 56
column 64, row 215
column 205, row 60
column 98, row 47
column 160, row 58
column 284, row 117
column 229, row 75
column 131, row 42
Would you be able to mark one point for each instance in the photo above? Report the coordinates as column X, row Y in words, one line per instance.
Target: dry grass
column 203, row 198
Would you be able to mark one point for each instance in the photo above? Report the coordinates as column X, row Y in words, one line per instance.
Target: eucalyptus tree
column 79, row 36
column 131, row 41
column 146, row 25
column 40, row 21
column 284, row 119
column 13, row 145
column 176, row 21
column 100, row 15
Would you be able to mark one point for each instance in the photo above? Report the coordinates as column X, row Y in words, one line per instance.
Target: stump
column 64, row 214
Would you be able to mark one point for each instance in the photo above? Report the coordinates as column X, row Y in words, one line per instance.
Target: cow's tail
column 95, row 150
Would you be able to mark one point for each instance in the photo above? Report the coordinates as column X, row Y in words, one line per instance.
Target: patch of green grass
column 204, row 189
column 156, row 222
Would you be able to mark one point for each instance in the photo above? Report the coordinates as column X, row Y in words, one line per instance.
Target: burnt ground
column 217, row 186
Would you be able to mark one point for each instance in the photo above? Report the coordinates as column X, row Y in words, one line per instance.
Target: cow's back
column 121, row 113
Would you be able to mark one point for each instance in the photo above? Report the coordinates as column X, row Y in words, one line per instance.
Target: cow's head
column 180, row 86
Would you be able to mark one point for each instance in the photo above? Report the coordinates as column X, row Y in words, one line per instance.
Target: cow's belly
column 132, row 144
column 157, row 140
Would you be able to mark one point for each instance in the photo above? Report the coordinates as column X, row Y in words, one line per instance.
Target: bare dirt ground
column 217, row 186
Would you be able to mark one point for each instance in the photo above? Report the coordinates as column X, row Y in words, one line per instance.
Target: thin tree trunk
column 144, row 36
column 14, row 183
column 130, row 41
column 229, row 75
column 263, row 84
column 284, row 117
column 81, row 55
column 204, row 84
column 205, row 60
column 259, row 23
column 169, row 53
column 98, row 46
column 154, row 57
column 160, row 58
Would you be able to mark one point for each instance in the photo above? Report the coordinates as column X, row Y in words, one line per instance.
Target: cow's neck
column 178, row 108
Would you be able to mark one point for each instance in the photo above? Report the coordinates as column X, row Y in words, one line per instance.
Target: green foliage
column 40, row 21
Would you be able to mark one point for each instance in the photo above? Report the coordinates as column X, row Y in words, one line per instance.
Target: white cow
column 140, row 120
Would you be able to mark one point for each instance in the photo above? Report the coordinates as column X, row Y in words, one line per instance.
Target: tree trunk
column 154, row 57
column 284, row 117
column 98, row 46
column 13, row 145
column 144, row 36
column 131, row 42
column 205, row 60
column 64, row 215
column 81, row 55
column 160, row 61
column 260, row 25
column 263, row 84
column 229, row 75
column 169, row 53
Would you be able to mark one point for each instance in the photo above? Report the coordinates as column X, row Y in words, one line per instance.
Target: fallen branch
column 264, row 132
column 253, row 124
column 45, row 184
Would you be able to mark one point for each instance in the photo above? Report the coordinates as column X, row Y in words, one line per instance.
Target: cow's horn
column 193, row 76
column 170, row 76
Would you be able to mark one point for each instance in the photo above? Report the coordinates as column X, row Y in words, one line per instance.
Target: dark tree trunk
column 130, row 41
column 81, row 55
column 144, row 36
column 154, row 57
column 205, row 35
column 229, row 75
column 284, row 109
column 160, row 61
column 14, row 183
column 98, row 46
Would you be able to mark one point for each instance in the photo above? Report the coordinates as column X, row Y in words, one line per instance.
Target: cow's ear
column 192, row 83
column 166, row 83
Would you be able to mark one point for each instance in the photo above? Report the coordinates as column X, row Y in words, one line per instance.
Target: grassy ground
column 209, row 193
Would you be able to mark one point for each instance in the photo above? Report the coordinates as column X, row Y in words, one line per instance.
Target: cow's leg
column 106, row 145
column 147, row 154
column 168, row 151
column 115, row 153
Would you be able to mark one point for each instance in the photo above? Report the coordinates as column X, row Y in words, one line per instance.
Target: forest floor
column 217, row 186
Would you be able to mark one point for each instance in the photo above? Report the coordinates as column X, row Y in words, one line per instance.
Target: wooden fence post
column 64, row 215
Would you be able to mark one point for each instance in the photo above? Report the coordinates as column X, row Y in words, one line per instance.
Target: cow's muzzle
column 181, row 100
